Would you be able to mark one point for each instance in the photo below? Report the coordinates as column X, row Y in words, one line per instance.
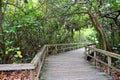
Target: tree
column 23, row 23
column 98, row 28
column 1, row 17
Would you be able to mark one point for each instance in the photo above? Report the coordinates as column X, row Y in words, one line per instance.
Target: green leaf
column 6, row 31
column 16, row 56
column 18, row 26
column 17, row 48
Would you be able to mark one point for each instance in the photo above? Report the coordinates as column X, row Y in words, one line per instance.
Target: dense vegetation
column 26, row 25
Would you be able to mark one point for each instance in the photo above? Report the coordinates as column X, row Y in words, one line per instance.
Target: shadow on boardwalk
column 71, row 66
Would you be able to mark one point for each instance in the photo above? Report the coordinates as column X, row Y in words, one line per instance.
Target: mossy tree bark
column 1, row 20
column 2, row 45
column 97, row 26
column 0, row 16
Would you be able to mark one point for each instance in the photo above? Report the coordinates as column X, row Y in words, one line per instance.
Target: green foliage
column 27, row 26
column 88, row 35
column 116, row 48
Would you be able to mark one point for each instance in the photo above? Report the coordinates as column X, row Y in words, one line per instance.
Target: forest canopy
column 26, row 25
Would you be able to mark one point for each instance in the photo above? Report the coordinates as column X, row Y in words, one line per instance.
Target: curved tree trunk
column 0, row 15
column 97, row 26
column 1, row 19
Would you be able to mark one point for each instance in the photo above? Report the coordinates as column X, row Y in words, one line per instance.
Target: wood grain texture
column 8, row 67
column 71, row 66
column 109, row 55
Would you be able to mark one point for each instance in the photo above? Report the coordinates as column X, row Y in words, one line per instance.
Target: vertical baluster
column 109, row 65
column 47, row 50
column 39, row 69
column 63, row 48
column 95, row 62
column 85, row 53
column 32, row 74
column 56, row 49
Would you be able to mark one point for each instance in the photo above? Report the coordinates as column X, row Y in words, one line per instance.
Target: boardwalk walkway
column 71, row 66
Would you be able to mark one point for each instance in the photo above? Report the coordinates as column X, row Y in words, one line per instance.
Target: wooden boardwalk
column 71, row 66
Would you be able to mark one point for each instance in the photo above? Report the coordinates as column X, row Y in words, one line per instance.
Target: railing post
column 56, row 49
column 109, row 65
column 85, row 53
column 63, row 50
column 95, row 62
column 39, row 69
column 32, row 74
column 47, row 50
column 89, row 51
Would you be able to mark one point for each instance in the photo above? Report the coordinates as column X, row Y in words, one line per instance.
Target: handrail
column 38, row 61
column 38, row 56
column 107, row 53
column 63, row 44
column 5, row 67
column 89, row 49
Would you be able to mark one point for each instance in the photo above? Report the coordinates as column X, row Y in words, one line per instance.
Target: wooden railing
column 37, row 63
column 90, row 49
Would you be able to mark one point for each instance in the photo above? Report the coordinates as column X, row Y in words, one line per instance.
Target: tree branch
column 107, row 14
column 16, row 7
column 114, row 16
column 75, row 13
column 81, row 3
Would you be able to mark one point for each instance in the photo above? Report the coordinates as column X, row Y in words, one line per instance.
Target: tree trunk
column 1, row 19
column 97, row 26
column 2, row 45
column 0, row 16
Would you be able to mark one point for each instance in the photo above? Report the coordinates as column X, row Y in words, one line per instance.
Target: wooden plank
column 41, row 65
column 4, row 67
column 63, row 49
column 109, row 64
column 114, row 55
column 35, row 60
column 38, row 56
column 70, row 66
column 31, row 75
column 98, row 60
column 63, row 44
column 95, row 63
